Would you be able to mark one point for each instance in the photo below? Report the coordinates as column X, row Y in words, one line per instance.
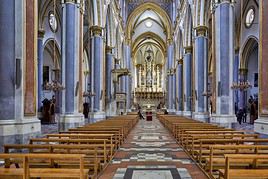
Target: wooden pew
column 38, row 172
column 248, row 173
column 92, row 155
column 100, row 144
column 216, row 159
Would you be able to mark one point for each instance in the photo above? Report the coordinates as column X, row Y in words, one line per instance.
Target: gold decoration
column 96, row 30
column 243, row 71
column 188, row 49
column 201, row 30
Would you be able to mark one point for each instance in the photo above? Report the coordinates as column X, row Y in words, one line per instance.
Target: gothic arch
column 248, row 47
column 49, row 47
column 140, row 9
column 201, row 12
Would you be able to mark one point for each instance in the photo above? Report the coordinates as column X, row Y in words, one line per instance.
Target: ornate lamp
column 242, row 86
column 54, row 85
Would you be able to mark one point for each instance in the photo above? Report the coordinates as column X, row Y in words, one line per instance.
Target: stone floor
column 150, row 152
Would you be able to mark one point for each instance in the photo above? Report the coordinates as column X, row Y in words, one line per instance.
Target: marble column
column 261, row 124
column 128, row 79
column 236, row 75
column 40, row 62
column 70, row 56
column 224, row 56
column 180, row 87
column 7, row 59
column 97, row 72
column 201, row 73
column 187, row 81
column 241, row 93
column 170, row 92
column 15, row 127
column 108, row 80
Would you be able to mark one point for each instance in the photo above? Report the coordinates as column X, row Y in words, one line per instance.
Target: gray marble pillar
column 70, row 62
column 242, row 77
column 224, row 53
column 7, row 60
column 187, row 81
column 108, row 72
column 180, row 86
column 97, row 52
column 128, row 79
column 170, row 89
column 201, row 74
column 15, row 127
column 236, row 76
column 40, row 67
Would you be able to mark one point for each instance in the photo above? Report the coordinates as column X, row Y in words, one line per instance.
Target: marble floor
column 150, row 152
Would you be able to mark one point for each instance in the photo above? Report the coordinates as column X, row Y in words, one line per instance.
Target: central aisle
column 150, row 152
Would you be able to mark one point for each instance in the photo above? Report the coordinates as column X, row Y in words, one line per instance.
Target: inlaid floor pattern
column 150, row 152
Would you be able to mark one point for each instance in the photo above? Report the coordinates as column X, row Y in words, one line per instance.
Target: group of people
column 252, row 108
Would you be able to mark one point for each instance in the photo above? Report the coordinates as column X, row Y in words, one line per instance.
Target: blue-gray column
column 70, row 56
column 108, row 71
column 201, row 69
column 128, row 84
column 170, row 77
column 225, row 52
column 241, row 93
column 187, row 65
column 97, row 67
column 40, row 67
column 235, row 75
column 180, row 85
column 7, row 59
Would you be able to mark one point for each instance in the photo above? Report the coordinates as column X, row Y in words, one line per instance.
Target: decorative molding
column 188, row 49
column 201, row 30
column 41, row 33
column 243, row 71
column 118, row 73
column 109, row 49
column 96, row 30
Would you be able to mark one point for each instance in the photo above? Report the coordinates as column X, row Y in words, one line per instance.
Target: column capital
column 70, row 1
column 201, row 30
column 188, row 49
column 41, row 33
column 128, row 42
column 169, row 41
column 96, row 30
column 109, row 49
column 243, row 71
column 180, row 61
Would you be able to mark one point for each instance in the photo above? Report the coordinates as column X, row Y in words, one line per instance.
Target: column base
column 67, row 121
column 19, row 131
column 261, row 125
column 187, row 113
column 223, row 120
column 97, row 116
column 171, row 111
column 179, row 113
column 199, row 116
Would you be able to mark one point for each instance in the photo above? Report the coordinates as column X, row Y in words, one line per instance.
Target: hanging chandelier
column 53, row 86
column 244, row 85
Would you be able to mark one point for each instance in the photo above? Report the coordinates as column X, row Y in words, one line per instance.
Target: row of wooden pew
column 81, row 152
column 220, row 152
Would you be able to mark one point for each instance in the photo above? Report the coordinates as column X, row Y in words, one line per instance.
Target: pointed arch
column 147, row 6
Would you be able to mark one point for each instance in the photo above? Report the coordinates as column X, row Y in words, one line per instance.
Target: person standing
column 252, row 112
